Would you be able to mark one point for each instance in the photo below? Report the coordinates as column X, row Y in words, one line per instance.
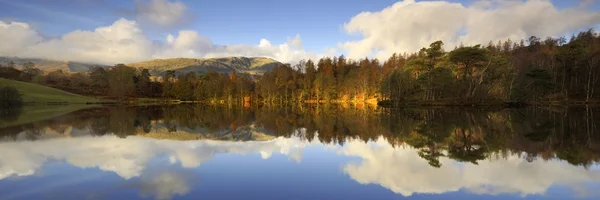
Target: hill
column 254, row 65
column 257, row 65
column 34, row 93
column 49, row 65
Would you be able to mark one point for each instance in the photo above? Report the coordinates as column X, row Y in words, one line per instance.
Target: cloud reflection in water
column 399, row 169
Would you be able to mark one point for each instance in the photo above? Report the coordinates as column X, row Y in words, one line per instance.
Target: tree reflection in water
column 465, row 135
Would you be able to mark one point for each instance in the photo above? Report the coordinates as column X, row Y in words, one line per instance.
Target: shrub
column 10, row 97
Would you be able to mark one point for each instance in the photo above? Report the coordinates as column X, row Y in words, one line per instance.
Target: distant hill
column 49, row 65
column 256, row 65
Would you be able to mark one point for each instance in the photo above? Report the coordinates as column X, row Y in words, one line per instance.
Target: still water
column 326, row 152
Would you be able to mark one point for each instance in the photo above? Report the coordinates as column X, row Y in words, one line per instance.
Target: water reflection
column 159, row 150
column 165, row 183
column 403, row 171
column 127, row 157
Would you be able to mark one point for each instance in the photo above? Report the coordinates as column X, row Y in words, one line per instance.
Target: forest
column 532, row 70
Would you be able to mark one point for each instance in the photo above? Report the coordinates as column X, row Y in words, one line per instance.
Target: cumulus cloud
column 162, row 13
column 125, row 42
column 16, row 36
column 191, row 44
column 186, row 44
column 407, row 26
column 401, row 170
column 296, row 42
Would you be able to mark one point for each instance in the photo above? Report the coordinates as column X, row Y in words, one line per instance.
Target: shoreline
column 385, row 103
column 506, row 104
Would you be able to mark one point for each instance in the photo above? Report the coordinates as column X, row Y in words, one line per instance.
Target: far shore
column 370, row 102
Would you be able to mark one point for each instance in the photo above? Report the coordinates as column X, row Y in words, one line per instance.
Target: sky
column 125, row 31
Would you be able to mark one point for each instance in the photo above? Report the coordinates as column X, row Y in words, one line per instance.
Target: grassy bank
column 39, row 94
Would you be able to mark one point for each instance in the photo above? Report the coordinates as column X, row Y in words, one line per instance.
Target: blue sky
column 224, row 21
column 320, row 23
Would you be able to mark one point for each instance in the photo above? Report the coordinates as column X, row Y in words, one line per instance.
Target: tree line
column 533, row 70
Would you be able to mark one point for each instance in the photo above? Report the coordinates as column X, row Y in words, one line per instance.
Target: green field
column 39, row 94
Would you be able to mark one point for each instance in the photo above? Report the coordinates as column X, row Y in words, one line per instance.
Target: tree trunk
column 595, row 82
column 286, row 93
column 510, row 89
column 587, row 124
column 564, row 78
column 480, row 78
column 589, row 79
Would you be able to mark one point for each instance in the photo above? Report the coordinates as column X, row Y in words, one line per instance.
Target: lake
column 300, row 152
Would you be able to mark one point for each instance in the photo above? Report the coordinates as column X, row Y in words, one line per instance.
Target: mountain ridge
column 251, row 65
column 49, row 65
column 240, row 64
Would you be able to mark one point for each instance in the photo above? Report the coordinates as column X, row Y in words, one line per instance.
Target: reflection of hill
column 248, row 134
column 161, row 133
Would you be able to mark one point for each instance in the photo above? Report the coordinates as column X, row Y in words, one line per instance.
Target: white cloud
column 163, row 13
column 16, row 36
column 407, row 26
column 264, row 43
column 191, row 44
column 187, row 44
column 401, row 170
column 296, row 42
column 125, row 42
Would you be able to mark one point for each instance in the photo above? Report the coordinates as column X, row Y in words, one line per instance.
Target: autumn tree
column 144, row 84
column 309, row 78
column 121, row 81
column 98, row 77
column 473, row 63
column 30, row 70
column 168, row 84
column 184, row 87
